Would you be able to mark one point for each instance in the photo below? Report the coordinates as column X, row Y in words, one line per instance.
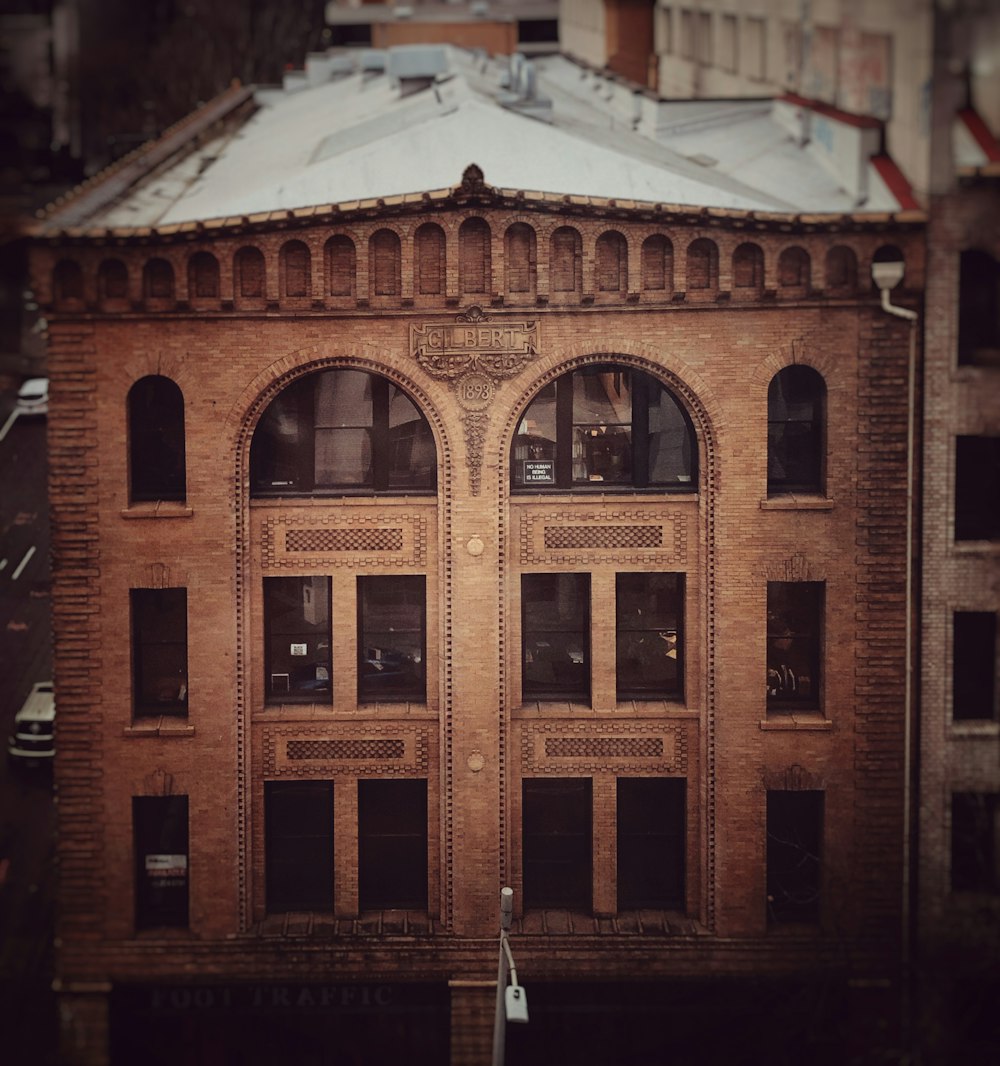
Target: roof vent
column 404, row 11
column 372, row 61
column 415, row 66
column 522, row 94
column 479, row 9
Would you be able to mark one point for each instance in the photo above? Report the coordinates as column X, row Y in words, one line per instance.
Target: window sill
column 973, row 729
column 807, row 720
column 976, row 547
column 158, row 509
column 794, row 502
column 162, row 726
column 292, row 712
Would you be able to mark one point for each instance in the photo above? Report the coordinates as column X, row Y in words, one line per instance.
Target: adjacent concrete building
column 418, row 533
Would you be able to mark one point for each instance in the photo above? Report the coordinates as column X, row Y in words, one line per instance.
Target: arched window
column 841, row 269
column 978, row 309
column 67, row 282
column 296, row 269
column 384, row 263
column 250, row 274
column 203, row 276
column 796, row 399
column 519, row 258
column 793, row 268
column 341, row 432
column 611, row 262
column 341, row 265
column 474, row 255
column 657, row 263
column 566, row 260
column 429, row 262
column 748, row 267
column 156, row 439
column 604, row 426
column 702, row 265
column 112, row 281
column 158, row 280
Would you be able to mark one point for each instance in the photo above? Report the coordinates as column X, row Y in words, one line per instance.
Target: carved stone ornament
column 472, row 353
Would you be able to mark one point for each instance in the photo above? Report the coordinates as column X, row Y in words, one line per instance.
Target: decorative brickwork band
column 337, row 541
column 344, row 540
column 299, row 751
column 603, row 536
column 575, row 536
column 346, row 749
column 604, row 747
column 612, row 747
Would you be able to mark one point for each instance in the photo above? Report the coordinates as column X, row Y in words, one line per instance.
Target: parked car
column 33, row 397
column 33, row 739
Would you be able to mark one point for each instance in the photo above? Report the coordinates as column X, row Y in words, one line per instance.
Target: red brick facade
column 666, row 309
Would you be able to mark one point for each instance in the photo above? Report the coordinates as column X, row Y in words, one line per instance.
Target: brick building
column 457, row 535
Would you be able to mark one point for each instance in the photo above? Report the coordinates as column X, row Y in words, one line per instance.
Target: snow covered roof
column 345, row 130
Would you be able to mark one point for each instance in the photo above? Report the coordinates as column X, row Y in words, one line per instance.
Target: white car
column 33, row 739
column 33, row 397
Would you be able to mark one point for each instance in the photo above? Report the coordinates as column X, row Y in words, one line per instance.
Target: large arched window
column 341, row 432
column 156, row 439
column 601, row 426
column 795, row 439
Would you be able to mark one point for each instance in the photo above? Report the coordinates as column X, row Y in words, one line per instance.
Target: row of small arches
column 381, row 442
column 430, row 276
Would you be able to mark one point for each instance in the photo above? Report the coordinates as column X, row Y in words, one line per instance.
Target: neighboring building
column 415, row 536
column 499, row 27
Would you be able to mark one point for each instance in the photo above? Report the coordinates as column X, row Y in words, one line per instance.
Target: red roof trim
column 861, row 121
column 898, row 185
column 980, row 132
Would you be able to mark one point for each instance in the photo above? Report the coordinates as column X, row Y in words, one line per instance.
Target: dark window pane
column 556, row 636
column 391, row 641
column 392, row 845
column 159, row 651
column 650, row 610
column 794, row 619
column 794, row 842
column 973, row 842
column 342, row 431
column 557, row 842
column 297, row 628
column 672, row 449
column 156, row 439
column 795, row 401
column 651, row 842
column 977, row 488
column 298, row 853
column 979, row 309
column 974, row 656
column 160, row 835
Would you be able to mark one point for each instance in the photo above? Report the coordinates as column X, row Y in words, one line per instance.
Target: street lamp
column 512, row 1000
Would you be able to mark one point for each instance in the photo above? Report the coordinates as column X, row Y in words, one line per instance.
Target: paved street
column 27, row 1011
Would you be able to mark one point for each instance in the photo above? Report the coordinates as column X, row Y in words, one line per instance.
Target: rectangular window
column 687, row 35
column 159, row 652
column 297, row 638
column 794, row 856
column 727, row 43
column 160, row 841
column 555, row 636
column 977, row 488
column 755, row 58
column 392, row 845
column 794, row 630
column 391, row 639
column 974, row 665
column 650, row 622
column 663, row 31
column 298, row 845
column 651, row 842
column 704, row 37
column 974, row 852
column 556, row 818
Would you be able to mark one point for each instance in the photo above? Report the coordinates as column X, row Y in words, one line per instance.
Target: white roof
column 359, row 137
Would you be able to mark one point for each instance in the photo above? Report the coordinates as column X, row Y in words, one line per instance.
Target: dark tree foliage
column 144, row 66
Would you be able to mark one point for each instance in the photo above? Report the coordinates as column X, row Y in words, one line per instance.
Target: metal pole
column 499, row 1015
